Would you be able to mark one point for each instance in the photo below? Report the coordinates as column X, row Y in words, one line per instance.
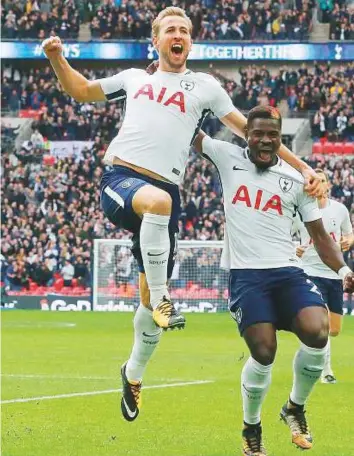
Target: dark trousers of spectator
column 350, row 303
column 67, row 283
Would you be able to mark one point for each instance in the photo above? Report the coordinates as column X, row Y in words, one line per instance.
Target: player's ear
column 155, row 42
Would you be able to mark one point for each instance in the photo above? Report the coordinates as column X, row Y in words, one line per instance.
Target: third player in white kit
column 336, row 220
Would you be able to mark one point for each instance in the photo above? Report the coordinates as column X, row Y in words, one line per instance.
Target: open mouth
column 177, row 49
column 265, row 155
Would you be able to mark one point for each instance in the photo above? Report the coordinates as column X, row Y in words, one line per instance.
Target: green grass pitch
column 50, row 354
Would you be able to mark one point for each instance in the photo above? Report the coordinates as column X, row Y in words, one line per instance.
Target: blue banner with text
column 138, row 50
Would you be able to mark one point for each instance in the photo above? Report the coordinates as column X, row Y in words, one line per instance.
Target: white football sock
column 146, row 338
column 255, row 381
column 155, row 249
column 327, row 370
column 307, row 367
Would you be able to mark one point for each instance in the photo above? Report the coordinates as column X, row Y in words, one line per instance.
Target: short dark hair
column 264, row 112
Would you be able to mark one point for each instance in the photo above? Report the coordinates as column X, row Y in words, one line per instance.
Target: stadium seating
column 348, row 148
column 337, row 148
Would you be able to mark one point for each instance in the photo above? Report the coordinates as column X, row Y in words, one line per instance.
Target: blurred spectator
column 16, row 277
column 37, row 139
column 81, row 271
column 14, row 103
column 293, row 100
column 42, row 274
column 68, row 272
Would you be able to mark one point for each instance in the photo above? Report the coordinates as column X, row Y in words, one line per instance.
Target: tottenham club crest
column 127, row 183
column 187, row 85
column 285, row 184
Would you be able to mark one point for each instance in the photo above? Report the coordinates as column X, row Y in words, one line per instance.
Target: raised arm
column 74, row 83
column 236, row 122
column 330, row 253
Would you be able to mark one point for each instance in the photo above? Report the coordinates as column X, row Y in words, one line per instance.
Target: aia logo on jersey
column 260, row 204
column 285, row 184
column 176, row 99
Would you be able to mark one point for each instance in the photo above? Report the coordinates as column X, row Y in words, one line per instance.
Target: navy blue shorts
column 118, row 187
column 270, row 296
column 332, row 293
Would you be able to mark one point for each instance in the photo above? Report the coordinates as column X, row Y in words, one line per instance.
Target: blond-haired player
column 164, row 112
column 336, row 220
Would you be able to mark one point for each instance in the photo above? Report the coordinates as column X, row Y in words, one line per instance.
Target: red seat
column 348, row 148
column 66, row 290
column 328, row 147
column 338, row 148
column 323, row 140
column 317, row 148
column 48, row 160
column 33, row 286
column 74, row 283
column 41, row 291
column 58, row 284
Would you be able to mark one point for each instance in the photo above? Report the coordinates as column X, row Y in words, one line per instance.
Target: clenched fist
column 52, row 47
column 300, row 250
column 348, row 282
column 345, row 244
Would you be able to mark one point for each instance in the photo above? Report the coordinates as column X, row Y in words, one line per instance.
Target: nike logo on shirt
column 156, row 254
column 236, row 168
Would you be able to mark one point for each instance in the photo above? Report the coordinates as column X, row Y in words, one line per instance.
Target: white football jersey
column 163, row 113
column 336, row 221
column 259, row 208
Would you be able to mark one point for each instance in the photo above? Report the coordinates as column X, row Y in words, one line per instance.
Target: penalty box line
column 97, row 393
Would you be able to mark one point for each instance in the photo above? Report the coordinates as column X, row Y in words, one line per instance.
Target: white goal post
column 198, row 284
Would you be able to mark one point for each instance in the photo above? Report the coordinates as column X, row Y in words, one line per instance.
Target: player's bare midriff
column 138, row 169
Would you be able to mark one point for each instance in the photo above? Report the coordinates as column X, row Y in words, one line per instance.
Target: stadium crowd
column 37, row 19
column 325, row 91
column 211, row 19
column 131, row 19
column 340, row 16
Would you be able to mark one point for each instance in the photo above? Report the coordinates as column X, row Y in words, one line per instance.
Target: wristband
column 344, row 271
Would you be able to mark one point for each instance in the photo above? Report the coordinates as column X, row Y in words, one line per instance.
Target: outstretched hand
column 312, row 182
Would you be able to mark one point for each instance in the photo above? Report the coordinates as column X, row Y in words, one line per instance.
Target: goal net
column 198, row 284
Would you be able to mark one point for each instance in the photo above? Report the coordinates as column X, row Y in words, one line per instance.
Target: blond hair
column 170, row 11
column 322, row 171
